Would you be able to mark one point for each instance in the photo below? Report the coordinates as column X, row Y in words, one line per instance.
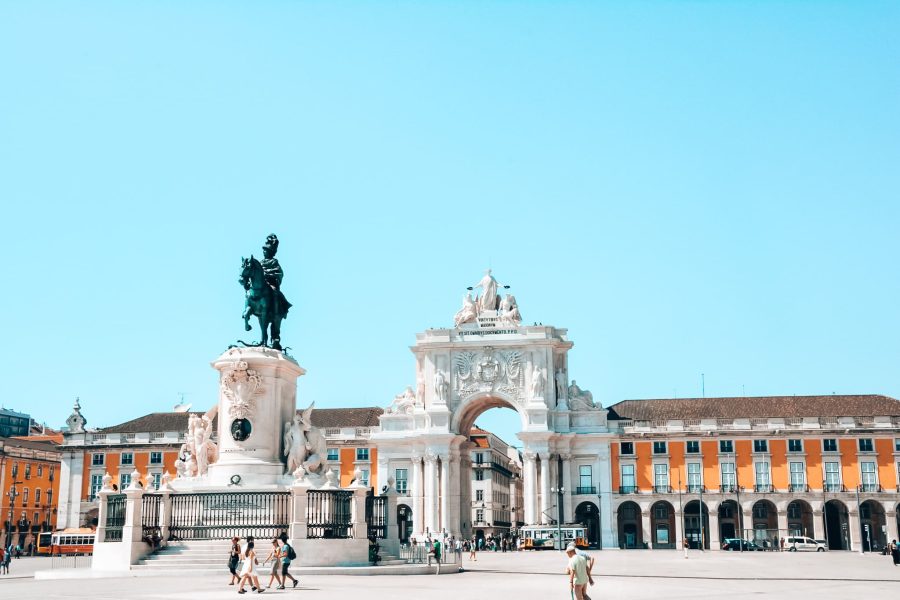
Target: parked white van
column 803, row 543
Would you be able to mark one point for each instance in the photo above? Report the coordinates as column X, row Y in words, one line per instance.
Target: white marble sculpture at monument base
column 257, row 397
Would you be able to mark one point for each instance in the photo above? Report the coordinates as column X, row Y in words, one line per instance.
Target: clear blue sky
column 689, row 187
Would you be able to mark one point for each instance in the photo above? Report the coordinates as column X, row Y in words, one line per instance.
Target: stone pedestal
column 257, row 396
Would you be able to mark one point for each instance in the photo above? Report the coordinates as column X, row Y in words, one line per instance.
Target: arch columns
column 529, row 483
column 545, row 487
column 818, row 525
column 431, row 493
column 418, row 495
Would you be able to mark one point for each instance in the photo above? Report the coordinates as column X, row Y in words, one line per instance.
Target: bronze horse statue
column 264, row 301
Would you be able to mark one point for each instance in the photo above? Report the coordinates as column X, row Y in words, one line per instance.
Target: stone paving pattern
column 632, row 575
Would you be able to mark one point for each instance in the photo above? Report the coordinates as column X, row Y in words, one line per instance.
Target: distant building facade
column 29, row 482
column 150, row 444
column 710, row 469
column 14, row 423
column 496, row 506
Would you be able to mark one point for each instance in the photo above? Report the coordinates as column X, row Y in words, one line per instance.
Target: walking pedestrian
column 577, row 571
column 436, row 553
column 287, row 555
column 234, row 557
column 472, row 548
column 248, row 573
column 274, row 556
column 895, row 552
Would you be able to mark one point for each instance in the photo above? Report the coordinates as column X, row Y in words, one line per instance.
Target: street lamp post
column 12, row 503
column 559, row 496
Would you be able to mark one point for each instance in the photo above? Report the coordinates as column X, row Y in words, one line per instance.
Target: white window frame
column 868, row 477
column 660, row 473
column 837, row 472
column 767, row 472
column 726, row 475
column 799, row 481
column 694, row 475
column 633, row 476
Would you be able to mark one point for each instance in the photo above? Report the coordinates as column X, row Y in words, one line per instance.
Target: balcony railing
column 628, row 489
column 727, row 488
column 662, row 489
column 833, row 487
column 798, row 487
column 764, row 488
column 869, row 487
column 590, row 489
column 695, row 488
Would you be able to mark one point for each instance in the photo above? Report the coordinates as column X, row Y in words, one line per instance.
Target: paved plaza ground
column 631, row 575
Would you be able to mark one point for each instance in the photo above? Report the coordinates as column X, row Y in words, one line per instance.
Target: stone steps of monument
column 210, row 556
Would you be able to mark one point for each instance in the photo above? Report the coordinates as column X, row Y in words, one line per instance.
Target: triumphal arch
column 489, row 358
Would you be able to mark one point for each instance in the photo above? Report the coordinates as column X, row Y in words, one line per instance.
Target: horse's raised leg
column 246, row 316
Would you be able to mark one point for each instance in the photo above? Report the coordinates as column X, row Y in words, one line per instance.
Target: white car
column 800, row 543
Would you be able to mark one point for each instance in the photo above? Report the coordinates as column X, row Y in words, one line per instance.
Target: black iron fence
column 376, row 516
column 223, row 515
column 329, row 514
column 115, row 517
column 150, row 525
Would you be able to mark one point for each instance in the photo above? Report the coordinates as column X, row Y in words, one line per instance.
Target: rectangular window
column 661, row 477
column 869, row 477
column 661, row 511
column 25, row 497
column 728, row 480
column 333, row 454
column 156, row 458
column 362, row 454
column 479, row 495
column 50, row 497
column 726, row 446
column 760, row 445
column 479, row 457
column 626, row 448
column 401, row 478
column 659, row 447
column 798, row 476
column 762, row 473
column 832, row 477
column 127, row 458
column 897, row 445
column 27, row 470
column 96, row 484
column 40, row 470
column 37, row 497
column 585, row 478
column 795, row 445
column 98, row 460
column 364, row 477
column 479, row 516
column 865, row 444
column 695, row 477
column 157, row 479
column 479, row 474
column 692, row 447
column 829, row 445
column 627, row 478
column 124, row 480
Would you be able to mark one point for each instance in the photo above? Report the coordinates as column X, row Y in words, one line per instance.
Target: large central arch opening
column 491, row 480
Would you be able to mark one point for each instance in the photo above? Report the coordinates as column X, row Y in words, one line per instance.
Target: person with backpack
column 287, row 555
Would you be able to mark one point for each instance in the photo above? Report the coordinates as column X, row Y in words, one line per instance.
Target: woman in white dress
column 248, row 573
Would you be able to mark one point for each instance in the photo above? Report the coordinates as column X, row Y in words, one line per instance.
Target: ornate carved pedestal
column 257, row 395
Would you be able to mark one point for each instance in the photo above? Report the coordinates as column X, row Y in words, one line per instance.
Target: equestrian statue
column 262, row 282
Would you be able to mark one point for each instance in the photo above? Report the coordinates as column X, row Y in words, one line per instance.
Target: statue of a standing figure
column 537, row 382
column 440, row 387
column 489, row 297
column 562, row 384
column 262, row 280
column 294, row 444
